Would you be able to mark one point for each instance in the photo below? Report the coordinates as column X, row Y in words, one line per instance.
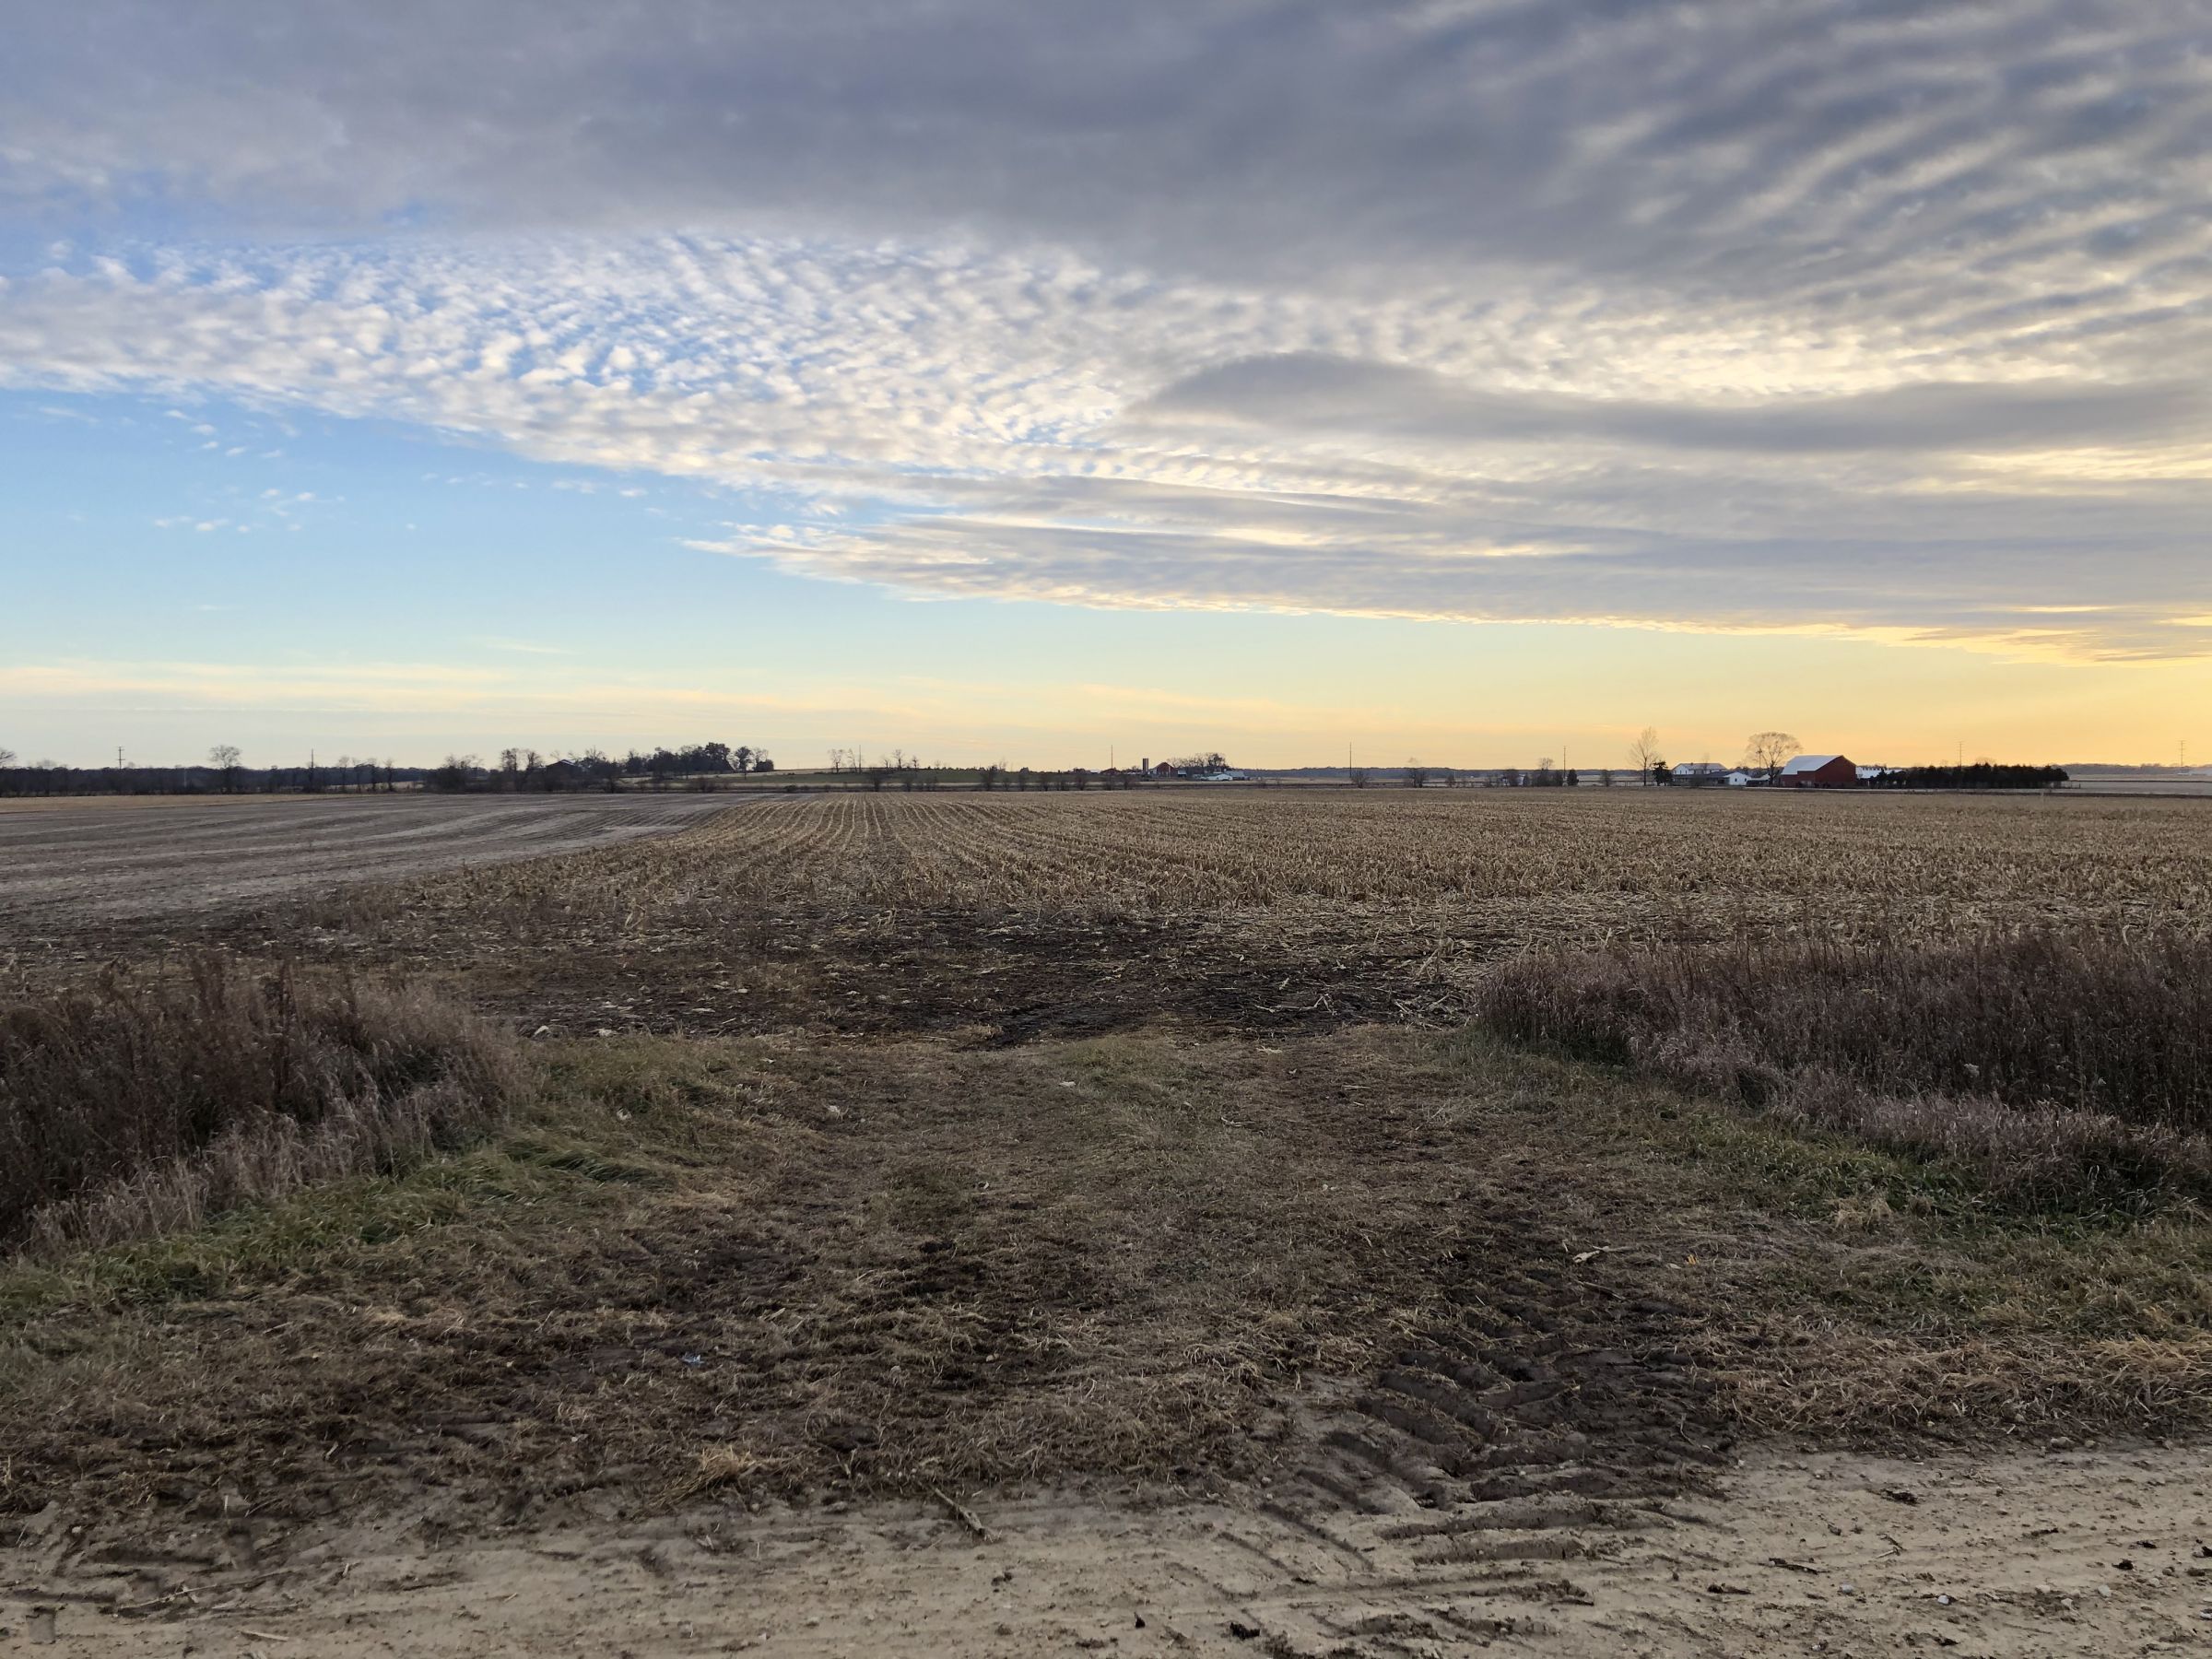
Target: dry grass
column 1976, row 1385
column 146, row 1103
column 2066, row 1068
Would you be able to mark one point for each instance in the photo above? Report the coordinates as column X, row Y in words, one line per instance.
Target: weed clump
column 2071, row 1068
column 144, row 1104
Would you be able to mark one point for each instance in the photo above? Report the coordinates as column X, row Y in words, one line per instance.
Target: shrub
column 2060, row 1066
column 145, row 1104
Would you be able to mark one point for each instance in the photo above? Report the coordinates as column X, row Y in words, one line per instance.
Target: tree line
column 1544, row 774
column 224, row 772
column 1978, row 774
column 519, row 771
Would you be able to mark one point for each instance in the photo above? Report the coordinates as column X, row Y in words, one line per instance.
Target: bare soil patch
column 2045, row 1556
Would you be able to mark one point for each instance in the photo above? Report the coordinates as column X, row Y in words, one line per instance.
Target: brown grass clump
column 2066, row 1068
column 145, row 1104
column 1870, row 1384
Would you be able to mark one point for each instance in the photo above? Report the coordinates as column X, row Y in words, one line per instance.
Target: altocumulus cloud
column 1864, row 316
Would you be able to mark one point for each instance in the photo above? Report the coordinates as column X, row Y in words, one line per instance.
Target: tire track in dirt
column 2014, row 1553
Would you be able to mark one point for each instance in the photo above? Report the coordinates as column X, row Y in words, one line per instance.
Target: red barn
column 1820, row 772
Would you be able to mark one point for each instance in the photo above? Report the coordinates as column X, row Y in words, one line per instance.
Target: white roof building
column 1801, row 764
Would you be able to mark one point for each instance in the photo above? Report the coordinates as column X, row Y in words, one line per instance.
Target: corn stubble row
column 1581, row 860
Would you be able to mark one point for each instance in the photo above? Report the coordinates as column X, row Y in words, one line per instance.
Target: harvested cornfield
column 1011, row 917
column 1588, row 855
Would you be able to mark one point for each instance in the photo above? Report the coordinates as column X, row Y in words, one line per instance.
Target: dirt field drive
column 1329, row 1224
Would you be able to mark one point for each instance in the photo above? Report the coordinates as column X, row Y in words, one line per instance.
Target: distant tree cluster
column 1543, row 775
column 1980, row 774
column 522, row 770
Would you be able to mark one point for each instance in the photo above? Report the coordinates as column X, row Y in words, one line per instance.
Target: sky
column 1475, row 381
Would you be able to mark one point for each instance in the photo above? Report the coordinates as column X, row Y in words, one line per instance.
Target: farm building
column 1700, row 774
column 1739, row 779
column 1820, row 772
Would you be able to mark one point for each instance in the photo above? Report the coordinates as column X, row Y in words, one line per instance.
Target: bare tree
column 1357, row 775
column 1770, row 751
column 1417, row 775
column 1646, row 755
column 223, row 757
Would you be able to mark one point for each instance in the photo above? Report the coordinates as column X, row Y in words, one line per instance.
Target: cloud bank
column 1862, row 317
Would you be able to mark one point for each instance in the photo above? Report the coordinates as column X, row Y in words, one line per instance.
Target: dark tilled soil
column 981, row 981
column 997, row 982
